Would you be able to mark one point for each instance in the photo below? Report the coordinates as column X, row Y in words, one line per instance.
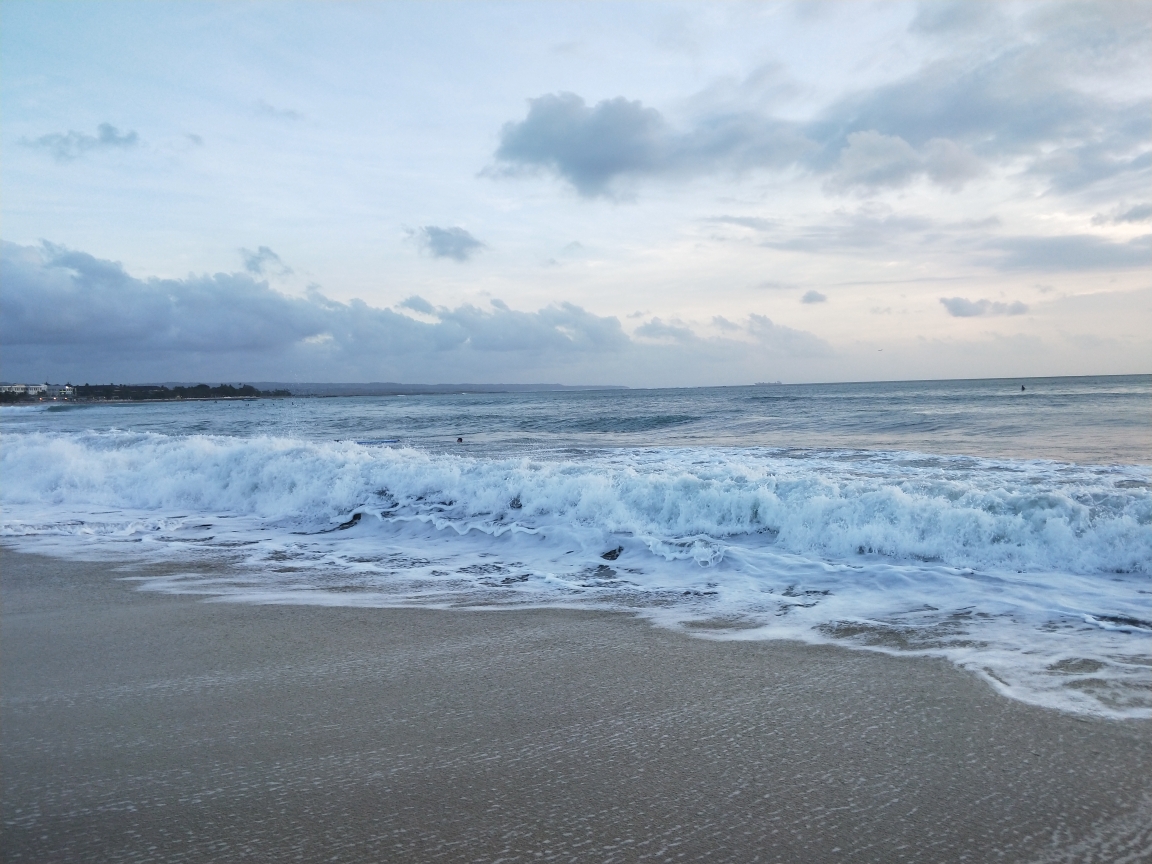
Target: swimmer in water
column 1021, row 388
column 459, row 440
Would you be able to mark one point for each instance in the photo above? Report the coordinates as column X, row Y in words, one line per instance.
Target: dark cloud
column 78, row 304
column 68, row 314
column 951, row 16
column 958, row 307
column 54, row 296
column 589, row 147
column 593, row 146
column 264, row 262
column 264, row 109
column 814, row 296
column 1070, row 252
column 1139, row 213
column 454, row 243
column 1011, row 94
column 71, row 145
column 418, row 304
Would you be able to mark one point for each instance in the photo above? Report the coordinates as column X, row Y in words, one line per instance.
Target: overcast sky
column 646, row 194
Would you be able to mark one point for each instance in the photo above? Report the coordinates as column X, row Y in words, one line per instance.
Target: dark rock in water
column 1126, row 621
column 341, row 527
column 355, row 518
column 612, row 554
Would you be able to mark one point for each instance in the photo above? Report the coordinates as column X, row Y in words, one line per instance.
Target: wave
column 1026, row 572
column 956, row 511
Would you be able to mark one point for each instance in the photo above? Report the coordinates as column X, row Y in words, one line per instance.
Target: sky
column 642, row 194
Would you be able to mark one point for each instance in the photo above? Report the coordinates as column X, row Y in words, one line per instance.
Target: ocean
column 1005, row 525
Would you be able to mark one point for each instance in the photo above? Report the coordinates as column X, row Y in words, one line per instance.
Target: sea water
column 1005, row 525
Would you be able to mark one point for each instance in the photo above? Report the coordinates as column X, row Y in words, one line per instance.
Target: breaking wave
column 1028, row 572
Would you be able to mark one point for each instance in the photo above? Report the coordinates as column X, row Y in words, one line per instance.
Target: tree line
column 150, row 392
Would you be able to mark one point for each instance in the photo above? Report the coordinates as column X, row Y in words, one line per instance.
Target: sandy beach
column 144, row 727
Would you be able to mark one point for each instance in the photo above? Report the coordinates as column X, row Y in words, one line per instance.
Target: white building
column 38, row 389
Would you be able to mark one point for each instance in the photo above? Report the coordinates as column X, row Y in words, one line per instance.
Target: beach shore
column 139, row 726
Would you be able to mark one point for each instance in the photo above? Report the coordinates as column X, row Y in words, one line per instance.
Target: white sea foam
column 1033, row 574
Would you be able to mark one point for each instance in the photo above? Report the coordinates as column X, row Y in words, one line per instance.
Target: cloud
column 78, row 304
column 1138, row 213
column 88, row 309
column 264, row 262
column 264, row 109
column 1013, row 93
column 1019, row 93
column 951, row 16
column 871, row 227
column 657, row 329
column 813, row 296
column 875, row 226
column 950, row 165
column 66, row 147
column 454, row 242
column 589, row 147
column 958, row 307
column 872, row 159
column 780, row 340
column 67, row 314
column 755, row 223
column 418, row 304
column 1070, row 252
column 723, row 323
column 593, row 146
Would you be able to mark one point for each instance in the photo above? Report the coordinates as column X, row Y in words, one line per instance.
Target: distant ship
column 768, row 384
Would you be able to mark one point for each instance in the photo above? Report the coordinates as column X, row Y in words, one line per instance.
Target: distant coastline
column 33, row 393
column 183, row 392
column 392, row 388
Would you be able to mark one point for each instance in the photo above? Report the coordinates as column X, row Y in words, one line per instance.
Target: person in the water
column 459, row 440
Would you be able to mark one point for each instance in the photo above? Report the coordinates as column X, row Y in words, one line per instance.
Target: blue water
column 1008, row 530
column 1096, row 420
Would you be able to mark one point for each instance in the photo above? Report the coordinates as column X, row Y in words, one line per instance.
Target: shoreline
column 142, row 725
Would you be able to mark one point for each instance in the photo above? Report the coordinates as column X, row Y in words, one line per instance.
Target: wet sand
column 143, row 727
